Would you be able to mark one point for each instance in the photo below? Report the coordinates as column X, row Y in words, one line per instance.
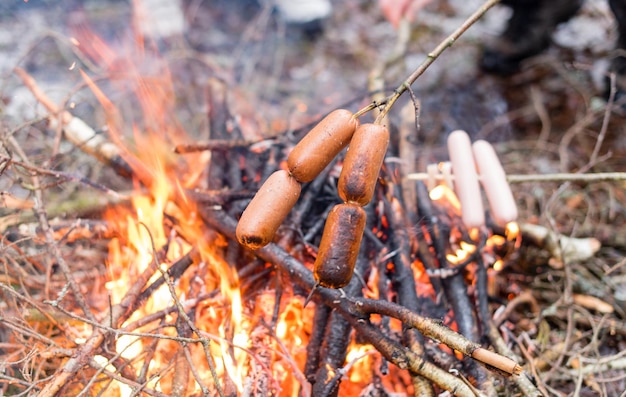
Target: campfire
column 198, row 299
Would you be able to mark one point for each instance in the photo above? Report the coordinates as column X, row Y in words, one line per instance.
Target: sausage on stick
column 340, row 244
column 267, row 210
column 321, row 145
column 361, row 166
column 493, row 179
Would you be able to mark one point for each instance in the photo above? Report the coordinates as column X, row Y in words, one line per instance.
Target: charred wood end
column 497, row 361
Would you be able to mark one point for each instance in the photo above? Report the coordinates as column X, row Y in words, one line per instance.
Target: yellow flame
column 512, row 231
column 291, row 323
column 495, row 241
column 462, row 253
column 444, row 196
column 359, row 357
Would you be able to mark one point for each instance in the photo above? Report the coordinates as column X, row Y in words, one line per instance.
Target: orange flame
column 162, row 218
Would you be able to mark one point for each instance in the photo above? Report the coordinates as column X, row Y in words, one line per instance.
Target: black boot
column 528, row 32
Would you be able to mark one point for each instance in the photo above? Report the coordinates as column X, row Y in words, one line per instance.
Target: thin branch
column 64, row 176
column 558, row 177
column 388, row 102
column 605, row 120
column 40, row 212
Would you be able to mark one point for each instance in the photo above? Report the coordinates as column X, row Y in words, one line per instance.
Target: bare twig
column 63, row 176
column 76, row 130
column 183, row 314
column 116, row 315
column 605, row 120
column 523, row 381
column 42, row 217
column 559, row 177
column 215, row 144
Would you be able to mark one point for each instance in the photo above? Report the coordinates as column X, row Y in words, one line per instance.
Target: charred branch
column 404, row 283
column 313, row 350
column 357, row 310
column 337, row 339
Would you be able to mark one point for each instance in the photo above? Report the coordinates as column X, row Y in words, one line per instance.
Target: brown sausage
column 340, row 244
column 320, row 146
column 267, row 210
column 362, row 163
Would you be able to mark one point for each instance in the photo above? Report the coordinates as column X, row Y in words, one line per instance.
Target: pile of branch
column 390, row 254
column 404, row 254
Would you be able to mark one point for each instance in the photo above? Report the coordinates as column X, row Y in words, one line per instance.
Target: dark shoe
column 528, row 32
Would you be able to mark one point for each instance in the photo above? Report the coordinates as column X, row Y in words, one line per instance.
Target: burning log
column 335, row 349
column 404, row 282
column 453, row 279
column 220, row 172
column 331, row 357
column 313, row 351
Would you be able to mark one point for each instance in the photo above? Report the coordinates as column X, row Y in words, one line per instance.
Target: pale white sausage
column 466, row 179
column 493, row 179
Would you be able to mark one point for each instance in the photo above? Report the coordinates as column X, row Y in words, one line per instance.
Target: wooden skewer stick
column 558, row 177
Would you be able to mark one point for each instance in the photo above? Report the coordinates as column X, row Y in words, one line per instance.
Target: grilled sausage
column 465, row 179
column 362, row 163
column 267, row 210
column 340, row 244
column 494, row 183
column 320, row 146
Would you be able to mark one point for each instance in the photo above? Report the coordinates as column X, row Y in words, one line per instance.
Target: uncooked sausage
column 493, row 179
column 466, row 179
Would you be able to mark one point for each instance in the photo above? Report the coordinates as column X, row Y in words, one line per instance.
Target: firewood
column 404, row 282
column 336, row 340
column 313, row 349
column 356, row 311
